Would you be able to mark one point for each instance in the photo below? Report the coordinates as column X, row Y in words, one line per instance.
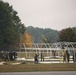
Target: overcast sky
column 54, row 14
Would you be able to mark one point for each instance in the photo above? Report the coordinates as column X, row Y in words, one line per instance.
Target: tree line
column 40, row 34
column 13, row 31
column 48, row 35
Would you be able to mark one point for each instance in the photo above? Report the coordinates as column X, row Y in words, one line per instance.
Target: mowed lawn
column 31, row 67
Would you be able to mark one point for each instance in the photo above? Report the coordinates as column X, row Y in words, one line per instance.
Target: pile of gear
column 8, row 56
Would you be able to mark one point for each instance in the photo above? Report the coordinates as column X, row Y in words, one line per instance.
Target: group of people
column 66, row 56
column 36, row 58
column 8, row 56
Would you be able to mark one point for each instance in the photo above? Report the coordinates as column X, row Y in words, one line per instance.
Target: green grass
column 31, row 67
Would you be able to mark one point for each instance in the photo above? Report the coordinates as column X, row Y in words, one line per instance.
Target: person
column 36, row 58
column 73, row 54
column 67, row 54
column 42, row 58
column 64, row 56
column 10, row 55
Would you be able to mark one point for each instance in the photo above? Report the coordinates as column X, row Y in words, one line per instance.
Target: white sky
column 54, row 14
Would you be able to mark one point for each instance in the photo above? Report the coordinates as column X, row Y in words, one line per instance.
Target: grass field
column 31, row 67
